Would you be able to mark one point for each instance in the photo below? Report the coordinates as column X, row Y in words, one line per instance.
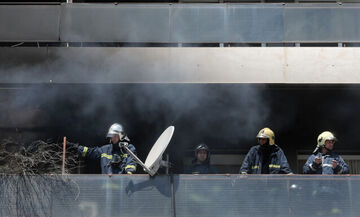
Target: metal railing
column 180, row 195
column 181, row 23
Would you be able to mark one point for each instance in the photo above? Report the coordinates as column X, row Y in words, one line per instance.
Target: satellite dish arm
column 125, row 146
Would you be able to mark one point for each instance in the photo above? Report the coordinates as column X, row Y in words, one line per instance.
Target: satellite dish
column 154, row 158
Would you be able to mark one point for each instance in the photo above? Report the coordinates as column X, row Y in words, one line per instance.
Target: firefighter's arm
column 246, row 164
column 130, row 166
column 284, row 167
column 342, row 167
column 90, row 153
column 310, row 166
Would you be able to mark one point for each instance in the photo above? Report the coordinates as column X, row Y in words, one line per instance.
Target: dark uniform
column 268, row 159
column 198, row 167
column 113, row 159
column 203, row 168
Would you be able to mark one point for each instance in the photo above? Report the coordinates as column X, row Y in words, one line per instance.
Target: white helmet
column 326, row 135
column 116, row 129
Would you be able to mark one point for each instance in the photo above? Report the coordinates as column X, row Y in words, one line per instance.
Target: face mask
column 266, row 147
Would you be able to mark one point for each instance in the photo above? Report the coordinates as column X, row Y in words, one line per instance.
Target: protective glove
column 72, row 145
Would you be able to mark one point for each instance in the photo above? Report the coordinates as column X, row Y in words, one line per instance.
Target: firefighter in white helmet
column 266, row 157
column 324, row 160
column 113, row 158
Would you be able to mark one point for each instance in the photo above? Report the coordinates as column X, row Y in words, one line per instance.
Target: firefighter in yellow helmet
column 266, row 157
column 324, row 160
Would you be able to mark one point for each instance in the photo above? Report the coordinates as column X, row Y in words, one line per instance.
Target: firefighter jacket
column 113, row 160
column 277, row 162
column 325, row 167
column 204, row 168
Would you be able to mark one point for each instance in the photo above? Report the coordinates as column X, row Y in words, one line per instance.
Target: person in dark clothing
column 201, row 163
column 265, row 158
column 113, row 158
column 324, row 160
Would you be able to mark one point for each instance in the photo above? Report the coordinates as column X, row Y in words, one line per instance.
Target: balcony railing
column 180, row 195
column 182, row 23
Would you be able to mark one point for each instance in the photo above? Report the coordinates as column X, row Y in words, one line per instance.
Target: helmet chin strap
column 316, row 150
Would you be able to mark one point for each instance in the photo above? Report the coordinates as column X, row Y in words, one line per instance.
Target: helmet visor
column 330, row 138
column 262, row 136
column 110, row 135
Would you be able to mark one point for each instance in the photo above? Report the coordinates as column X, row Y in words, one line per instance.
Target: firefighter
column 324, row 160
column 201, row 162
column 113, row 158
column 266, row 157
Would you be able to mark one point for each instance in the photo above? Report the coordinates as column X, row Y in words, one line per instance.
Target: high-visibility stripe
column 130, row 166
column 312, row 168
column 274, row 166
column 243, row 172
column 106, row 156
column 255, row 167
column 84, row 151
column 110, row 156
column 327, row 165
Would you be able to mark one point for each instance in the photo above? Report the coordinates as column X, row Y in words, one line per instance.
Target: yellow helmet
column 266, row 133
column 326, row 135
